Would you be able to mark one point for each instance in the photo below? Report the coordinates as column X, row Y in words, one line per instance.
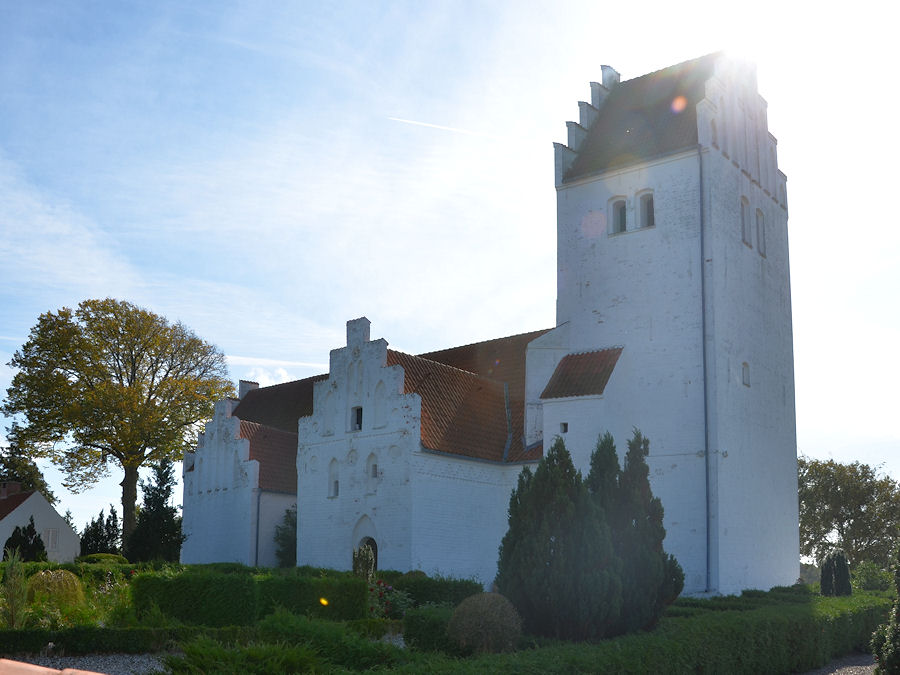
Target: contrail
column 443, row 128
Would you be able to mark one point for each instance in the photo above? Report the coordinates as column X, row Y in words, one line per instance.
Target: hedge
column 436, row 590
column 773, row 637
column 228, row 599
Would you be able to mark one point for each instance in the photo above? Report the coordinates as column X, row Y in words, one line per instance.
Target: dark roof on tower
column 583, row 374
column 637, row 121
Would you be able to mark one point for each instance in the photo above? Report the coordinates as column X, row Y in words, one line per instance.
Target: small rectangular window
column 563, row 427
column 356, row 419
column 374, row 471
column 647, row 216
column 335, row 488
column 618, row 217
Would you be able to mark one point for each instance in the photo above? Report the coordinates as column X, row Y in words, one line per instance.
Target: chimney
column 244, row 386
column 10, row 488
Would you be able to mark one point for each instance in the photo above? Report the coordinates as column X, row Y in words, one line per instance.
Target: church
column 673, row 315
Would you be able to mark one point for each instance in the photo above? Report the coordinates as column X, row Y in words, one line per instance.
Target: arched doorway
column 368, row 541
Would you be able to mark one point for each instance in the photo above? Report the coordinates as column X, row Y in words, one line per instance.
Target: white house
column 673, row 315
column 16, row 507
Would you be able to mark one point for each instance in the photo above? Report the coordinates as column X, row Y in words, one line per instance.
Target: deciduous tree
column 848, row 506
column 111, row 382
column 15, row 466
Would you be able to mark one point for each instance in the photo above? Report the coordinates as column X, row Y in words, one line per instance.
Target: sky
column 265, row 171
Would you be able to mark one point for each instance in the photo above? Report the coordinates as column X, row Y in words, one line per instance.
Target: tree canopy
column 15, row 466
column 102, row 535
column 111, row 382
column 27, row 542
column 848, row 506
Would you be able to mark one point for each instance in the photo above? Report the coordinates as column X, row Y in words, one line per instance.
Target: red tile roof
column 637, row 120
column 279, row 406
column 465, row 409
column 582, row 374
column 276, row 452
column 502, row 359
column 12, row 502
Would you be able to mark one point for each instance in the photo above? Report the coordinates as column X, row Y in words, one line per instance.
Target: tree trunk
column 129, row 499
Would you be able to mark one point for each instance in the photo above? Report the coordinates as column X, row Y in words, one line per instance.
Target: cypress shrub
column 557, row 564
column 835, row 574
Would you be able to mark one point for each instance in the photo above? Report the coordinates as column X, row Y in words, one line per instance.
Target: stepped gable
column 276, row 452
column 637, row 121
column 584, row 374
column 279, row 406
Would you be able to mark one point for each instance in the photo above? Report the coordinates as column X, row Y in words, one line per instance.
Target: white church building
column 673, row 316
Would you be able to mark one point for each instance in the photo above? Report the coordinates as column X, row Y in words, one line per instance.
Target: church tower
column 673, row 287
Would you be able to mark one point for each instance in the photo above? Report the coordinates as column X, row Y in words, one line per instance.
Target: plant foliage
column 286, row 539
column 157, row 534
column 849, row 506
column 584, row 559
column 835, row 574
column 16, row 467
column 27, row 542
column 486, row 622
column 885, row 642
column 111, row 382
column 102, row 535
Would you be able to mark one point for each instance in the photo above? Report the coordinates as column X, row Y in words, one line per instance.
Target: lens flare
column 679, row 103
column 323, row 602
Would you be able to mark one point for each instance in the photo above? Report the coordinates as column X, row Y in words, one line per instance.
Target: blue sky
column 265, row 171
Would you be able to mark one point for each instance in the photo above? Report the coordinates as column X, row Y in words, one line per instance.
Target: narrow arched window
column 334, row 479
column 745, row 373
column 618, row 216
column 372, row 473
column 760, row 232
column 745, row 222
column 648, row 218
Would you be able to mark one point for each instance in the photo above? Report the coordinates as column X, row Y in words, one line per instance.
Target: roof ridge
column 484, row 342
column 445, row 366
column 676, row 66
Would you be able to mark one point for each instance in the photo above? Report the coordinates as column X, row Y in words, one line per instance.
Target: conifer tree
column 557, row 563
column 102, row 534
column 650, row 578
column 27, row 541
column 157, row 533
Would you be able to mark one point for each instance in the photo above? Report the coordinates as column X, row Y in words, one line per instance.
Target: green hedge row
column 92, row 639
column 224, row 599
column 435, row 590
column 779, row 637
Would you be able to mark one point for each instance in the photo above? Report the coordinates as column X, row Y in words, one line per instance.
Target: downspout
column 256, row 552
column 509, row 431
column 706, row 454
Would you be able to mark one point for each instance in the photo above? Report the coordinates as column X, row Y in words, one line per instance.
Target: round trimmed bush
column 103, row 559
column 486, row 622
column 61, row 587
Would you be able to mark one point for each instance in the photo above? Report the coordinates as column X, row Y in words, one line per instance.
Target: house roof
column 279, row 406
column 638, row 120
column 12, row 502
column 464, row 404
column 583, row 374
column 501, row 359
column 276, row 452
column 462, row 413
